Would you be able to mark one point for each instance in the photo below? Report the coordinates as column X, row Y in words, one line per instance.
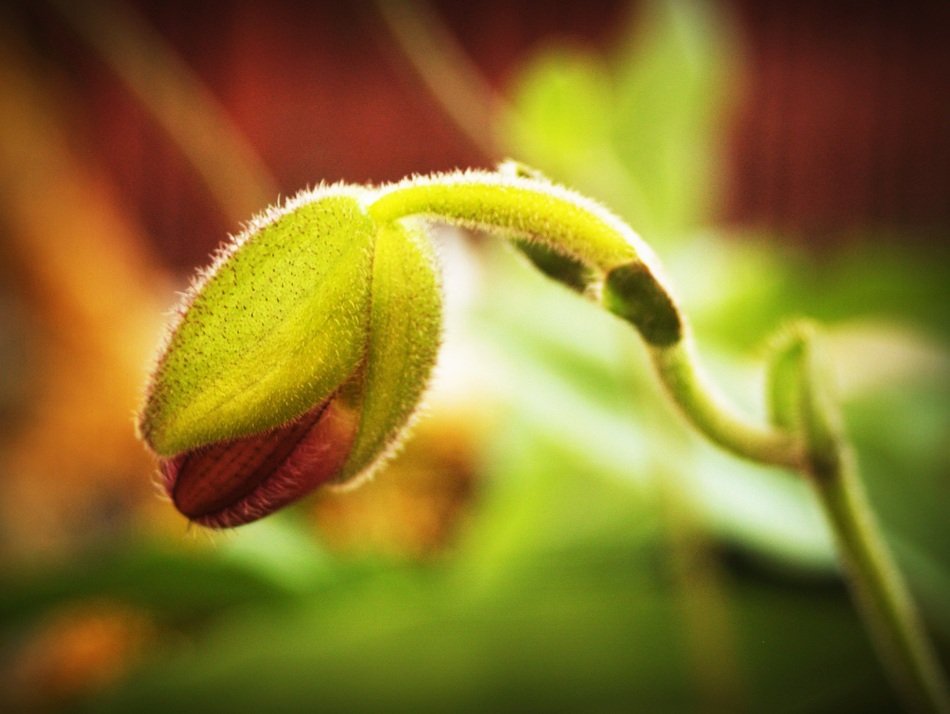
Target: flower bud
column 232, row 482
column 296, row 361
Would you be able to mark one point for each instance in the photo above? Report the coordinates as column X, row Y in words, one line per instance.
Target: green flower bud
column 296, row 360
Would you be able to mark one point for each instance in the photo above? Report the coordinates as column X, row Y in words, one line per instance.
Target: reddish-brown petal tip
column 230, row 483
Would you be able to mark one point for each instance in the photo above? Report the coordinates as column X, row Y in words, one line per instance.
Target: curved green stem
column 879, row 589
column 702, row 406
column 536, row 209
column 804, row 435
column 531, row 208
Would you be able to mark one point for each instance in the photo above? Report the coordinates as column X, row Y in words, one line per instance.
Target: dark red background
column 843, row 124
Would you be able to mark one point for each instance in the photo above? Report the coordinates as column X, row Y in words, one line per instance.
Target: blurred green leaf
column 551, row 639
column 674, row 87
column 642, row 130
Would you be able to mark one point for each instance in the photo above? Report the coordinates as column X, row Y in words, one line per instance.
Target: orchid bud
column 297, row 360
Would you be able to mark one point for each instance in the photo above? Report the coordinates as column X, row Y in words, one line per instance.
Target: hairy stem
column 535, row 209
column 530, row 208
column 805, row 434
column 703, row 407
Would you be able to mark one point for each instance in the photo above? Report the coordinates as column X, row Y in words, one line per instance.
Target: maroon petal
column 235, row 482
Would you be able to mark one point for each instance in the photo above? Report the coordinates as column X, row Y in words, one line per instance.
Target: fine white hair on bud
column 299, row 357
